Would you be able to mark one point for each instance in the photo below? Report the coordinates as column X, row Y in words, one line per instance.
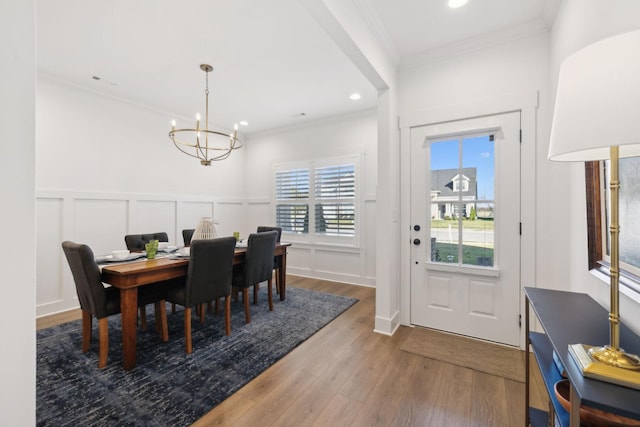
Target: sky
column 477, row 152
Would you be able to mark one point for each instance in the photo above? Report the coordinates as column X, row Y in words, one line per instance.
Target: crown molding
column 494, row 38
column 549, row 11
column 378, row 29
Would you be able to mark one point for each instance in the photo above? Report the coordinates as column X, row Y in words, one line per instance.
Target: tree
column 473, row 214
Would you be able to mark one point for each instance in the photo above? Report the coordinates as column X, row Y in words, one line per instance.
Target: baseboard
column 387, row 326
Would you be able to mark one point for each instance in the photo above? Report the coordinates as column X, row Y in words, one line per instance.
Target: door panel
column 465, row 196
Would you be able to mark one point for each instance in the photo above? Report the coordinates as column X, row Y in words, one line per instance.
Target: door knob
column 416, row 227
column 416, row 242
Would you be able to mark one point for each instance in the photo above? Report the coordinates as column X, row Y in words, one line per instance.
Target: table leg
column 129, row 308
column 282, row 274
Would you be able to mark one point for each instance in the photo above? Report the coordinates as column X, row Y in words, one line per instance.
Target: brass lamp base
column 588, row 360
column 615, row 357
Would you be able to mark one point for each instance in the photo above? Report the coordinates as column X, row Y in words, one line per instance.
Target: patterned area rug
column 494, row 359
column 168, row 387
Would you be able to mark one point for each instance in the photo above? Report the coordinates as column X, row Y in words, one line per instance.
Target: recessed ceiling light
column 355, row 96
column 454, row 4
column 243, row 123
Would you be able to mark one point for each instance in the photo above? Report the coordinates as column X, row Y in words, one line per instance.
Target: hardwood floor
column 347, row 375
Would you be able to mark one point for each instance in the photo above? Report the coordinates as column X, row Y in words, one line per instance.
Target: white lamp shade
column 598, row 101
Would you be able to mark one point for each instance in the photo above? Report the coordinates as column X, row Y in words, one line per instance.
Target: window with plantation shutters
column 316, row 201
column 292, row 200
column 334, row 189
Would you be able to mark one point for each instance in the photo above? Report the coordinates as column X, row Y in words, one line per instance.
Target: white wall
column 106, row 168
column 17, row 171
column 355, row 134
column 578, row 24
column 508, row 74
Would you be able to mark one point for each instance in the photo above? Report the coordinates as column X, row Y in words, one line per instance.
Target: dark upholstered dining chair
column 137, row 242
column 257, row 268
column 276, row 260
column 187, row 234
column 208, row 278
column 102, row 302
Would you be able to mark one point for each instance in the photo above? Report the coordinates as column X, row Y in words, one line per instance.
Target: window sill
column 469, row 270
column 628, row 285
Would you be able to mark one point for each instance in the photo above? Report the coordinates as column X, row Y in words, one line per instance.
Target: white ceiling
column 272, row 61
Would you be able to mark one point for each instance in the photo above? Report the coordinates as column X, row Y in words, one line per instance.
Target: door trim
column 527, row 104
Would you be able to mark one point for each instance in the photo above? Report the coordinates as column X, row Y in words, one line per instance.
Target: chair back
column 210, row 270
column 187, row 234
column 137, row 242
column 86, row 275
column 258, row 265
column 263, row 228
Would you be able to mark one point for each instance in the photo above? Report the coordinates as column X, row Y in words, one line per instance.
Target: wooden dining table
column 128, row 277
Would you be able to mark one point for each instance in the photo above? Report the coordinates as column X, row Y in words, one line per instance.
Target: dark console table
column 570, row 318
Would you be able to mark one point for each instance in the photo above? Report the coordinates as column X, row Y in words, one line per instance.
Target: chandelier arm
column 178, row 143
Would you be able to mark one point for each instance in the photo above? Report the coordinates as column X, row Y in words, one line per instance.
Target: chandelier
column 203, row 143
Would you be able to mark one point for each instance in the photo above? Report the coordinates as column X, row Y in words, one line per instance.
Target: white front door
column 465, row 227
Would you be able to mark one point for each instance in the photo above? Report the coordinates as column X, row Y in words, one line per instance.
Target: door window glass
column 463, row 201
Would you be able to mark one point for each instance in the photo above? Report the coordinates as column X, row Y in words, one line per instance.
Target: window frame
column 311, row 237
column 597, row 262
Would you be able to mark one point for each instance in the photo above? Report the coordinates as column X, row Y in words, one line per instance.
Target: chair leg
column 227, row 314
column 269, row 282
column 173, row 307
column 209, row 306
column 86, row 330
column 187, row 329
column 256, row 288
column 103, row 327
column 143, row 318
column 203, row 310
column 217, row 306
column 245, row 298
column 277, row 281
column 161, row 320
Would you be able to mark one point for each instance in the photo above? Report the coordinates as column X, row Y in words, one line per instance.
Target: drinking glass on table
column 152, row 249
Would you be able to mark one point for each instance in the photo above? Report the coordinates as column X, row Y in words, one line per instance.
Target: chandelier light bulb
column 198, row 116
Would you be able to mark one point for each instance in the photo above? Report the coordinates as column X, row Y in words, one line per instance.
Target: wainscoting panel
column 190, row 212
column 101, row 220
column 258, row 213
column 230, row 217
column 151, row 216
column 299, row 260
column 341, row 262
column 48, row 254
column 100, row 223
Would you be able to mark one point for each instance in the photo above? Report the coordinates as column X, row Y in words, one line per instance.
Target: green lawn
column 448, row 252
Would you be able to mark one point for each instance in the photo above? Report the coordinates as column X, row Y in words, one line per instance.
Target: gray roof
column 441, row 181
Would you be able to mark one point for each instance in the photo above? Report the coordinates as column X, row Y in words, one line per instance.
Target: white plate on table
column 168, row 249
column 111, row 258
